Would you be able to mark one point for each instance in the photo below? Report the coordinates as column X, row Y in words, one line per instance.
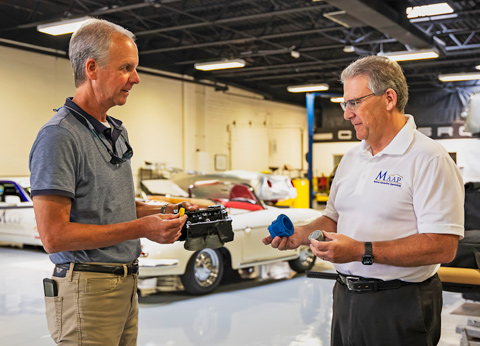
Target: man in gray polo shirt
column 84, row 200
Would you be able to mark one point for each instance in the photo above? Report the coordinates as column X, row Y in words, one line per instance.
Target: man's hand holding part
column 164, row 228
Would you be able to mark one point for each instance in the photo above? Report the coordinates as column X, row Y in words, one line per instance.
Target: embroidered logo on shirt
column 389, row 179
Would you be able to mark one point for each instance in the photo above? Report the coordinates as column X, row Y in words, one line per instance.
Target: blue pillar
column 310, row 108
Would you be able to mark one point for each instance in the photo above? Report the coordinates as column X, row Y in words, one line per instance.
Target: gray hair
column 382, row 74
column 92, row 41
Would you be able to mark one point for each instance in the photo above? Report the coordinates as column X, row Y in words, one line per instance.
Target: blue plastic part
column 281, row 227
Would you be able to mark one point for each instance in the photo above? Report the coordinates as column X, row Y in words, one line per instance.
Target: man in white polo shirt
column 395, row 213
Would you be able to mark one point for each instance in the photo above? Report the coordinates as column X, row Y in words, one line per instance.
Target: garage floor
column 284, row 309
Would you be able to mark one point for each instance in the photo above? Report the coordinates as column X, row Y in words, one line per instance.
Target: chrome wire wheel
column 306, row 257
column 204, row 272
column 207, row 267
column 305, row 261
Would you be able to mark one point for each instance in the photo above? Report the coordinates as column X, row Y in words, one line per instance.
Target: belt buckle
column 355, row 284
column 348, row 281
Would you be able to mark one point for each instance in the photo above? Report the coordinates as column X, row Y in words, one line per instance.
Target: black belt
column 100, row 268
column 359, row 284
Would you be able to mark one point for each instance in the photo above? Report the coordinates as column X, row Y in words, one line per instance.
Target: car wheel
column 305, row 261
column 204, row 272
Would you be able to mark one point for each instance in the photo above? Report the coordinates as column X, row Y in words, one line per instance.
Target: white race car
column 17, row 219
column 201, row 271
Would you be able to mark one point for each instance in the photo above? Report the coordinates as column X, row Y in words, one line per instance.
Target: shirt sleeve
column 438, row 198
column 53, row 162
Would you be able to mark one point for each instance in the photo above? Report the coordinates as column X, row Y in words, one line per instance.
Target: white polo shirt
column 412, row 186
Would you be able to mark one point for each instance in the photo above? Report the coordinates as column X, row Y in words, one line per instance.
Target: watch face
column 367, row 260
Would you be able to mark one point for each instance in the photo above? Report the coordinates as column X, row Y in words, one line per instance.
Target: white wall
column 253, row 133
column 182, row 124
column 31, row 85
column 323, row 154
column 468, row 156
column 467, row 150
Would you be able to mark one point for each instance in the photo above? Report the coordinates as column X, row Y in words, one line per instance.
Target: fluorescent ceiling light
column 336, row 99
column 219, row 65
column 411, row 55
column 307, row 88
column 477, row 67
column 62, row 27
column 456, row 77
column 429, row 10
column 428, row 19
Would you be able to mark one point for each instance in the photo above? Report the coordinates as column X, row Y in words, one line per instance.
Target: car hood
column 267, row 216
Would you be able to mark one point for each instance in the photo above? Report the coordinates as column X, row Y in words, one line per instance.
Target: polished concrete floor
column 284, row 309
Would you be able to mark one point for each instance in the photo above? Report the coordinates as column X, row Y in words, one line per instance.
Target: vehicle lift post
column 310, row 111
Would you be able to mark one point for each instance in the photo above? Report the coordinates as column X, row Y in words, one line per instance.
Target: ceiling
column 284, row 42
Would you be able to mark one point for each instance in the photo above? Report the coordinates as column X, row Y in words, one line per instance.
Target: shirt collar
column 97, row 125
column 400, row 143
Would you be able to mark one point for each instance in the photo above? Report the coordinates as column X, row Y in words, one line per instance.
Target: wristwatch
column 367, row 258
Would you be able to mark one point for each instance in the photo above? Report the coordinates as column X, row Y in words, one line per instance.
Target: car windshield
column 224, row 192
column 211, row 191
column 11, row 189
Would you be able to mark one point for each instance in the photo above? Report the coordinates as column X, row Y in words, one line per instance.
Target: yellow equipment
column 301, row 201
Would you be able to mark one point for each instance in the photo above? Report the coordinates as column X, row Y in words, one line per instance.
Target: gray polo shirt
column 68, row 159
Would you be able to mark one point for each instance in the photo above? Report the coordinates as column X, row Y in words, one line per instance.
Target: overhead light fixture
column 307, row 88
column 429, row 19
column 336, row 99
column 295, row 54
column 62, row 27
column 429, row 10
column 457, row 77
column 477, row 67
column 220, row 65
column 411, row 55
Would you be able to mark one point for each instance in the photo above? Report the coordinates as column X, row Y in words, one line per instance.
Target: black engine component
column 211, row 227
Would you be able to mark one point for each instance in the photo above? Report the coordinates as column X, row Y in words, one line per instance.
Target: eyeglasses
column 353, row 103
column 126, row 155
column 115, row 160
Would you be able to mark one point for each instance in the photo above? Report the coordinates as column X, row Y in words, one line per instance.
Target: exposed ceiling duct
column 378, row 15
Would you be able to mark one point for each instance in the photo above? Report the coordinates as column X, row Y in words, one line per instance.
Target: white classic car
column 201, row 271
column 268, row 187
column 17, row 219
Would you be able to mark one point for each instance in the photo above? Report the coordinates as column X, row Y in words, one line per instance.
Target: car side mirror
column 13, row 200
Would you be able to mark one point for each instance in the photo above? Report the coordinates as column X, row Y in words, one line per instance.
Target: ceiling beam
column 240, row 40
column 228, row 20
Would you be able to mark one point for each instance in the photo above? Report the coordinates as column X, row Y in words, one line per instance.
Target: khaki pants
column 93, row 309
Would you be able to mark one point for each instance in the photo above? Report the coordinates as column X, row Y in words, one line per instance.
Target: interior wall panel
column 168, row 121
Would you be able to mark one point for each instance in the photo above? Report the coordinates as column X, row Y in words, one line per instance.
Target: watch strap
column 163, row 208
column 368, row 258
column 368, row 249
